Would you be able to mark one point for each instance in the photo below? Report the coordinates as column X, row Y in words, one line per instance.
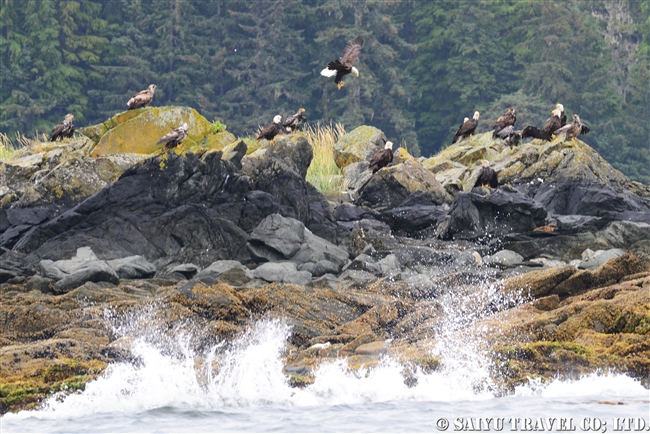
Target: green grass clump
column 217, row 127
column 323, row 173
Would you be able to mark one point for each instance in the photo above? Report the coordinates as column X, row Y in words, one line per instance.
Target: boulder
column 230, row 272
column 358, row 145
column 504, row 258
column 132, row 267
column 596, row 261
column 277, row 238
column 116, row 135
column 493, row 213
column 282, row 272
column 393, row 185
column 90, row 271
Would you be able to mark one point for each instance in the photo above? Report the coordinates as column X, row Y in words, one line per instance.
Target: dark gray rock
column 358, row 277
column 280, row 234
column 482, row 214
column 187, row 270
column 6, row 275
column 49, row 269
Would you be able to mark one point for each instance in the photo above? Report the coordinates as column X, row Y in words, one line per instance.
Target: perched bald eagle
column 174, row 138
column 487, row 177
column 505, row 120
column 142, row 98
column 271, row 130
column 382, row 158
column 574, row 129
column 341, row 68
column 562, row 115
column 466, row 129
column 63, row 130
column 293, row 123
column 546, row 133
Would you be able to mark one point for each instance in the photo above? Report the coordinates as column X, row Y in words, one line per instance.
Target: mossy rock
column 217, row 142
column 401, row 155
column 358, row 145
column 140, row 131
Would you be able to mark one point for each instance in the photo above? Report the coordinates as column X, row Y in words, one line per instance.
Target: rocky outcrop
column 116, row 134
column 358, row 145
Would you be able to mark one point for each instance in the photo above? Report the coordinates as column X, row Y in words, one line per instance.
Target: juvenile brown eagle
column 511, row 137
column 382, row 158
column 293, row 123
column 64, row 129
column 487, row 177
column 142, row 98
column 466, row 129
column 574, row 129
column 505, row 120
column 271, row 130
column 174, row 138
column 344, row 66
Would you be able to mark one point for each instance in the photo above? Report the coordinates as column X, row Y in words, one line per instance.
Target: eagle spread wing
column 351, row 52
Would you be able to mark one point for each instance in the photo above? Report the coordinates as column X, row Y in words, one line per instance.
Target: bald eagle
column 64, row 129
column 382, row 158
column 174, row 138
column 293, row 123
column 561, row 115
column 546, row 133
column 142, row 98
column 487, row 176
column 341, row 68
column 466, row 129
column 511, row 136
column 574, row 129
column 271, row 130
column 505, row 120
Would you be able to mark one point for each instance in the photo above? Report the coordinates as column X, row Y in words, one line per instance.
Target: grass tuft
column 323, row 173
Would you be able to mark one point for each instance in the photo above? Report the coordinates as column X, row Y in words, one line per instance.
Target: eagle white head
column 476, row 116
column 356, row 71
column 389, row 145
column 559, row 107
column 69, row 117
column 485, row 163
column 557, row 112
column 151, row 88
column 465, row 120
column 184, row 127
column 277, row 119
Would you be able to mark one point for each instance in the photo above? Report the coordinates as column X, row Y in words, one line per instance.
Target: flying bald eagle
column 271, row 130
column 293, row 123
column 487, row 177
column 562, row 115
column 63, row 130
column 505, row 120
column 142, row 98
column 341, row 68
column 382, row 158
column 466, row 129
column 573, row 130
column 174, row 138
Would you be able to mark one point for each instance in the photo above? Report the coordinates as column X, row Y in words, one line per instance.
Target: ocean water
column 243, row 389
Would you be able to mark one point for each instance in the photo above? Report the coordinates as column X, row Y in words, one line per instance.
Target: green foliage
column 217, row 127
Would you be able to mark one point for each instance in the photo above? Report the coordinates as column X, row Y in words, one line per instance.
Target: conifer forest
column 425, row 65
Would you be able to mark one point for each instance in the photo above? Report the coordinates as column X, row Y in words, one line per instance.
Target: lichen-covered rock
column 358, row 145
column 140, row 131
column 392, row 185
